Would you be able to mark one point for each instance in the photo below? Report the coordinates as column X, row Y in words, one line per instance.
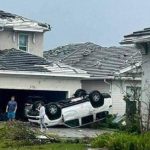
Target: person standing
column 42, row 116
column 11, row 109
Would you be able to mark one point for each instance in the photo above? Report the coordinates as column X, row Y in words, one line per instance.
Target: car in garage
column 81, row 109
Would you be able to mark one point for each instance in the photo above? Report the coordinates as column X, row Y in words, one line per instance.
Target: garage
column 23, row 96
column 49, row 89
column 24, row 75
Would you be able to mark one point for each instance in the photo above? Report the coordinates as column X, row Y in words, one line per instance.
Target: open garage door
column 22, row 96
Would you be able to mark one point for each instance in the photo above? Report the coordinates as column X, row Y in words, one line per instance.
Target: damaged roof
column 138, row 36
column 98, row 61
column 13, row 60
column 60, row 52
column 19, row 23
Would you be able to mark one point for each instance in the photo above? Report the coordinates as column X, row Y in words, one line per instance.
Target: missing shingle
column 86, row 53
column 98, row 64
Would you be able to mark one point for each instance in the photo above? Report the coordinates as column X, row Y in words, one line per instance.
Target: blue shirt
column 12, row 106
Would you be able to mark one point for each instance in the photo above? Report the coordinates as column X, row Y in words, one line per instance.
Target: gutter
column 113, row 78
column 28, row 73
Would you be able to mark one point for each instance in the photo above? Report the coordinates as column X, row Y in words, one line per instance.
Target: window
column 23, row 42
column 73, row 123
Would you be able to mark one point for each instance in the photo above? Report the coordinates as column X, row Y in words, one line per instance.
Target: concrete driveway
column 77, row 132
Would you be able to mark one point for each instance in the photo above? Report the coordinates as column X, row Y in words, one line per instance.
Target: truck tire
column 36, row 105
column 96, row 99
column 53, row 111
column 80, row 93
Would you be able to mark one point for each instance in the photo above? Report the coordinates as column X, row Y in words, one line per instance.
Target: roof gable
column 137, row 37
column 16, row 22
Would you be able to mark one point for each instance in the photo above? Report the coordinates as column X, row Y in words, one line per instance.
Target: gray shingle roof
column 62, row 51
column 96, row 60
column 138, row 36
column 17, row 60
column 16, row 22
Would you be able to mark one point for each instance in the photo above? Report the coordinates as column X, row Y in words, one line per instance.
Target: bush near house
column 122, row 141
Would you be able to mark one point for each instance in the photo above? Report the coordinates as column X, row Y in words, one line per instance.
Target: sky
column 103, row 22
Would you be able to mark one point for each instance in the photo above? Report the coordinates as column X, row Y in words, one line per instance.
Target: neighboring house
column 21, row 33
column 110, row 68
column 141, row 39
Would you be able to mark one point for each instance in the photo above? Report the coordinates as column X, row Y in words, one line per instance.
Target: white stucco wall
column 6, row 40
column 146, row 76
column 118, row 92
column 9, row 39
column 90, row 85
column 117, row 89
column 145, row 82
column 40, row 83
column 37, row 47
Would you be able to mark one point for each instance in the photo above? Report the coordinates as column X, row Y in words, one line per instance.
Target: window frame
column 25, row 34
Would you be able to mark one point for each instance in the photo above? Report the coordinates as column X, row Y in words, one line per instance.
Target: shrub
column 17, row 133
column 122, row 141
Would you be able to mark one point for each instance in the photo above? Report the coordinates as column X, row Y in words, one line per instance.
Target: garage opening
column 22, row 96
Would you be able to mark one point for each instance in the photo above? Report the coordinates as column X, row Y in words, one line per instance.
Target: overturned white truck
column 77, row 111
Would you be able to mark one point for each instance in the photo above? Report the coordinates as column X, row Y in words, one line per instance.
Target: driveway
column 77, row 132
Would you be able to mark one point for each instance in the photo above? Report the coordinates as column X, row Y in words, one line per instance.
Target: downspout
column 110, row 91
column 110, row 86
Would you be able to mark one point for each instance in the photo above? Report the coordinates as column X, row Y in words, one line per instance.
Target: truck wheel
column 80, row 93
column 96, row 99
column 36, row 105
column 53, row 111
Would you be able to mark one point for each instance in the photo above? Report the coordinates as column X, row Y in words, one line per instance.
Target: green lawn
column 49, row 147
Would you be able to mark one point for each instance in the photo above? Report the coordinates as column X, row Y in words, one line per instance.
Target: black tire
column 53, row 111
column 36, row 105
column 96, row 99
column 80, row 93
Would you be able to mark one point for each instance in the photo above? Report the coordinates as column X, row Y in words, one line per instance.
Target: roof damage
column 137, row 37
column 17, row 61
column 19, row 23
column 99, row 62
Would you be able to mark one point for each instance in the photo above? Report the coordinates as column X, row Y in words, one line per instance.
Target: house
column 24, row 72
column 141, row 40
column 109, row 68
column 21, row 33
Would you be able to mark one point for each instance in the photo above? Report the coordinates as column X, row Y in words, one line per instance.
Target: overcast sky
column 103, row 22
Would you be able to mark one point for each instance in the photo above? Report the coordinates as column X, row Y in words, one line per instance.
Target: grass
column 122, row 141
column 21, row 137
column 56, row 146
